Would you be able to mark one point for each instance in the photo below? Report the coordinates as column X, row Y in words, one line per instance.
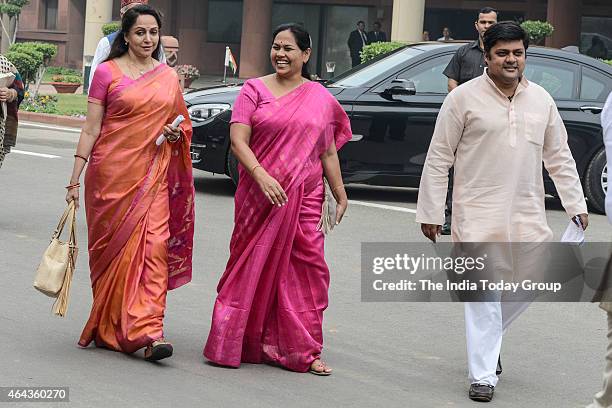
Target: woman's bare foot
column 318, row 367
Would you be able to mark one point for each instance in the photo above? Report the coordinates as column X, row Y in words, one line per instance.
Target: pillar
column 256, row 38
column 408, row 16
column 565, row 16
column 97, row 13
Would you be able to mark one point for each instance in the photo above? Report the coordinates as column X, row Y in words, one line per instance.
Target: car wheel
column 596, row 182
column 231, row 167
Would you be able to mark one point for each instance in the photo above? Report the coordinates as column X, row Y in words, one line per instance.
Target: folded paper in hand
column 6, row 80
column 573, row 234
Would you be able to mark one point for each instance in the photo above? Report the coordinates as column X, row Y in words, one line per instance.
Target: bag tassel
column 60, row 306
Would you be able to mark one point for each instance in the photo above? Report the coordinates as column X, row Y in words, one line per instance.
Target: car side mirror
column 401, row 87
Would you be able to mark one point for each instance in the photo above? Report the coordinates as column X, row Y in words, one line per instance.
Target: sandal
column 158, row 350
column 320, row 368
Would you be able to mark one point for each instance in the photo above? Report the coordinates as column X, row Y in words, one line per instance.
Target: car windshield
column 364, row 73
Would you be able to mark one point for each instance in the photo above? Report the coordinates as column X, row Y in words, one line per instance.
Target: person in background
column 104, row 45
column 446, row 35
column 598, row 48
column 357, row 40
column 425, row 36
column 139, row 196
column 467, row 63
column 11, row 95
column 603, row 399
column 376, row 35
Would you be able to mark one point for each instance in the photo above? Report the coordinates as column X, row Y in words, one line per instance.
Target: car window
column 428, row 77
column 594, row 85
column 557, row 77
column 364, row 73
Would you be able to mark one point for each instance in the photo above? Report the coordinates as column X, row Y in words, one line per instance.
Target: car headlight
column 206, row 111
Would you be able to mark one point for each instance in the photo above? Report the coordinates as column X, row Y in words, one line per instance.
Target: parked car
column 393, row 102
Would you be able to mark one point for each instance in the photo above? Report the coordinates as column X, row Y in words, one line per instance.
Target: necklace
column 140, row 70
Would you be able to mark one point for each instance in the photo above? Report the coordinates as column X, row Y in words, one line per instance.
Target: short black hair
column 377, row 23
column 504, row 31
column 360, row 22
column 487, row 10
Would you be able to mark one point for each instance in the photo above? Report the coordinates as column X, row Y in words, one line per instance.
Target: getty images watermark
column 484, row 272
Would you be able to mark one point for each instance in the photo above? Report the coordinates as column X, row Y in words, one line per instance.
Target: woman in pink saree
column 285, row 133
column 138, row 195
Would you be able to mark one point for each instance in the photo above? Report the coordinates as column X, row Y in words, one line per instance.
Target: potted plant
column 537, row 30
column 188, row 73
column 66, row 84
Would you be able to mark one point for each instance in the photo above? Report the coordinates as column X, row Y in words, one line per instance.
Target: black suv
column 393, row 102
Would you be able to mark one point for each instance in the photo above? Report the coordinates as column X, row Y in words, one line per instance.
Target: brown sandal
column 158, row 350
column 321, row 366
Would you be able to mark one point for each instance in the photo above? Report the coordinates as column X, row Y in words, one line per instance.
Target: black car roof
column 535, row 49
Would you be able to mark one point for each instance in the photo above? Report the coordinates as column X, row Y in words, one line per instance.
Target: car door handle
column 592, row 109
column 356, row 138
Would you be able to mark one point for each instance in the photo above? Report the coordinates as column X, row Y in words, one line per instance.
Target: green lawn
column 68, row 104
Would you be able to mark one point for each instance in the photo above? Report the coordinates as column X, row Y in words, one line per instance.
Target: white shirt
column 103, row 51
column 497, row 147
column 606, row 124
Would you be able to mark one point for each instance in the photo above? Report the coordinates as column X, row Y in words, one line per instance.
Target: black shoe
column 446, row 228
column 481, row 392
column 498, row 371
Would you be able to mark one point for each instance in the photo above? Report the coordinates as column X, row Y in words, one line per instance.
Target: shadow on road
column 214, row 185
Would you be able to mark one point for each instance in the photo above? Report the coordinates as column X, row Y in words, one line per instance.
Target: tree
column 31, row 60
column 537, row 30
column 9, row 21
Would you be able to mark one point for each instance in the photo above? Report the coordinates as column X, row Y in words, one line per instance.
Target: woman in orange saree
column 138, row 195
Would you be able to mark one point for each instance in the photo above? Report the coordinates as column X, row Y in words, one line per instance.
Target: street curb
column 55, row 120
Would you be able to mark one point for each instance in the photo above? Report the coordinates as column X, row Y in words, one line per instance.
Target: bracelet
column 254, row 167
column 71, row 186
column 81, row 157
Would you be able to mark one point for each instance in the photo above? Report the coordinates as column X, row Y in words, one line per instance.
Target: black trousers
column 448, row 211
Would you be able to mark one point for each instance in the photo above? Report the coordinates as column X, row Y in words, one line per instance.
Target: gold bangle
column 254, row 167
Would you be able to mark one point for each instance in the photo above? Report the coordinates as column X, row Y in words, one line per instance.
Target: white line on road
column 383, row 206
column 46, row 156
column 50, row 127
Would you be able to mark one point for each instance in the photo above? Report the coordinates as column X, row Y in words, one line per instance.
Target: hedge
column 371, row 51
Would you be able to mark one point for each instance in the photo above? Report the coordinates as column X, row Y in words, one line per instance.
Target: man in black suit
column 357, row 40
column 376, row 35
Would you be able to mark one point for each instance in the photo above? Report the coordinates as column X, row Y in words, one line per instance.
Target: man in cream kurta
column 497, row 143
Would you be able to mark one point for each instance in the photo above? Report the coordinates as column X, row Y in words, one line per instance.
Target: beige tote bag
column 56, row 268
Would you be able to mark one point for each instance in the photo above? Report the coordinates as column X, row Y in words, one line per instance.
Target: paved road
column 384, row 354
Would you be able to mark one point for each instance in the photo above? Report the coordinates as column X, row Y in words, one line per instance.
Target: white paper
column 573, row 234
column 161, row 139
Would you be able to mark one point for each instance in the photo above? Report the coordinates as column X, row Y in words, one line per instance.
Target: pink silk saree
column 273, row 293
column 139, row 201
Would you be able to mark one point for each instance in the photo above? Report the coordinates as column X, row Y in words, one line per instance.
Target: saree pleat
column 139, row 206
column 273, row 293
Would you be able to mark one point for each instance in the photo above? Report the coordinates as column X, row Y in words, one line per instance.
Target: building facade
column 205, row 27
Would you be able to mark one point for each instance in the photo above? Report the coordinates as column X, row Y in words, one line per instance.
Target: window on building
column 50, row 13
column 596, row 37
column 224, row 21
column 429, row 77
column 594, row 86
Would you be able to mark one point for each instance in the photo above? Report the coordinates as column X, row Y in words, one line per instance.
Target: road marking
column 383, row 206
column 46, row 156
column 51, row 127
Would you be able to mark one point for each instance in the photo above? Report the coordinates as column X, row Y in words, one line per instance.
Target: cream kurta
column 497, row 148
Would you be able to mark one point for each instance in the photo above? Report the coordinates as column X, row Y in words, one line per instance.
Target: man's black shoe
column 446, row 229
column 481, row 392
column 498, row 371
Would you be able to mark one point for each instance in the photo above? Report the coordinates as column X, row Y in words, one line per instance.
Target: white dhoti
column 485, row 324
